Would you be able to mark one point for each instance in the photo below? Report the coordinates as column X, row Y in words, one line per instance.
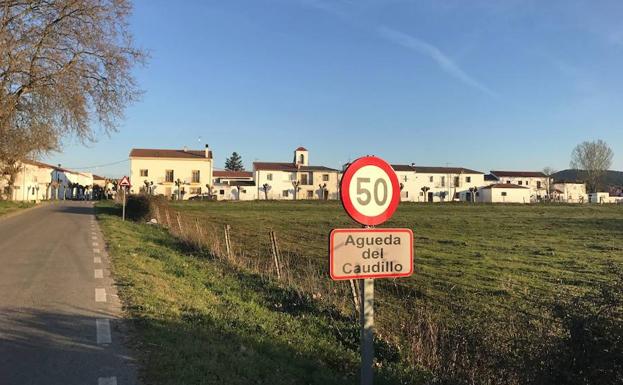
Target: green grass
column 478, row 306
column 10, row 206
column 197, row 320
column 482, row 253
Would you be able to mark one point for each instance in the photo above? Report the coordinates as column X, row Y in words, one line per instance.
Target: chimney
column 185, row 149
column 207, row 150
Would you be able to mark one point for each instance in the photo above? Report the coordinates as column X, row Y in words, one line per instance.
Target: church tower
column 301, row 156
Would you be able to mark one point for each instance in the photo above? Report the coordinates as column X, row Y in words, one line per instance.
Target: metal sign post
column 366, row 311
column 370, row 194
column 123, row 211
column 124, row 184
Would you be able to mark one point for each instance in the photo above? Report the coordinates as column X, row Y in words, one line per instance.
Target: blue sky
column 480, row 84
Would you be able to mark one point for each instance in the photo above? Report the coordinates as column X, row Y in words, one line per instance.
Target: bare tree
column 63, row 65
column 549, row 171
column 594, row 159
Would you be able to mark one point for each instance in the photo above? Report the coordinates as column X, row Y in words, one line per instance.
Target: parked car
column 202, row 197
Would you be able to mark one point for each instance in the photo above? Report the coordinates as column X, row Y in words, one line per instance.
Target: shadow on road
column 61, row 346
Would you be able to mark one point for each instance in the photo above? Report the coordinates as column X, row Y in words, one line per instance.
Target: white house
column 570, row 192
column 409, row 190
column 504, row 193
column 296, row 179
column 178, row 174
column 536, row 181
column 444, row 184
column 32, row 182
column 234, row 185
column 603, row 197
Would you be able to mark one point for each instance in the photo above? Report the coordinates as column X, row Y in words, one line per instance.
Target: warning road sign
column 125, row 182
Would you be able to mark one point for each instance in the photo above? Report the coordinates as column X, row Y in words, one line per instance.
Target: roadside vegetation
column 501, row 294
column 10, row 206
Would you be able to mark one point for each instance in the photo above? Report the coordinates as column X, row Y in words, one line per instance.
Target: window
column 293, row 176
column 508, row 181
column 269, row 176
column 503, row 193
column 325, row 177
column 302, row 159
column 443, row 181
column 519, row 183
column 243, row 191
column 430, row 179
column 538, row 184
column 468, row 179
column 284, row 193
column 221, row 192
column 456, row 195
column 527, row 183
column 310, row 194
column 195, row 190
column 304, row 179
column 457, row 181
column 196, row 176
column 144, row 172
column 168, row 177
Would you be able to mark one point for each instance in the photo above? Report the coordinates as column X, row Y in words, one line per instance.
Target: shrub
column 139, row 207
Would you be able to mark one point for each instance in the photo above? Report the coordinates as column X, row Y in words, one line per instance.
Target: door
column 430, row 197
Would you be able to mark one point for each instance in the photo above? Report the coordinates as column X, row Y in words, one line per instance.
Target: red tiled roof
column 232, row 174
column 291, row 167
column 157, row 153
column 521, row 174
column 274, row 166
column 503, row 185
column 445, row 170
column 301, row 149
column 403, row 167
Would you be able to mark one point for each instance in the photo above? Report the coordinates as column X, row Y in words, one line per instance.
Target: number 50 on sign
column 370, row 191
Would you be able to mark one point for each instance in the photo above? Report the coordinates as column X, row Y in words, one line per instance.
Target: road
column 59, row 313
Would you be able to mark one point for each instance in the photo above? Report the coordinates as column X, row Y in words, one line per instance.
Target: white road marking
column 96, row 251
column 99, row 273
column 102, row 327
column 107, row 381
column 95, row 244
column 97, row 260
column 94, row 238
column 100, row 294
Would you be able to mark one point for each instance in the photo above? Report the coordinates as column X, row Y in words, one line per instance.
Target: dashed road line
column 97, row 260
column 95, row 244
column 107, row 381
column 100, row 294
column 102, row 328
column 99, row 273
column 96, row 251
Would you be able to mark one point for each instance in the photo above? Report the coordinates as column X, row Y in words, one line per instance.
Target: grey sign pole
column 366, row 310
column 123, row 215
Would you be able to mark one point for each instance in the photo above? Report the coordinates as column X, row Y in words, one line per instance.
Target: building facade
column 296, row 179
column 175, row 174
column 504, row 193
column 446, row 184
column 538, row 183
column 569, row 192
column 234, row 185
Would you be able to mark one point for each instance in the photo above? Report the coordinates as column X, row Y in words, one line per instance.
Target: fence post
column 157, row 209
column 179, row 223
column 355, row 293
column 275, row 251
column 166, row 214
column 228, row 242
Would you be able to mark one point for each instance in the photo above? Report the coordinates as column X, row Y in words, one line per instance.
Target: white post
column 123, row 212
column 367, row 330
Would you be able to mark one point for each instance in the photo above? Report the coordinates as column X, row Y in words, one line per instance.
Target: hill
column 611, row 178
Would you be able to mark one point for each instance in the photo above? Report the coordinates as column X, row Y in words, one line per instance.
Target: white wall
column 572, row 192
column 182, row 169
column 443, row 188
column 280, row 181
column 532, row 183
column 504, row 195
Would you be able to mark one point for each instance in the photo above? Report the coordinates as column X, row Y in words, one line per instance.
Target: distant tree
column 265, row 188
column 594, row 159
column 234, row 162
column 549, row 171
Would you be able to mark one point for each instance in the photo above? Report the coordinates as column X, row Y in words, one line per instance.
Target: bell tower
column 301, row 156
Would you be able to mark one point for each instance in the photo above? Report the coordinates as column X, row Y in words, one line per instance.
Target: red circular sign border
column 348, row 204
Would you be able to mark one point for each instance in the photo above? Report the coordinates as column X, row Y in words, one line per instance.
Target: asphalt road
column 59, row 313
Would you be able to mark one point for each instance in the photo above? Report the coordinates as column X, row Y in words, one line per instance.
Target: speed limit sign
column 370, row 191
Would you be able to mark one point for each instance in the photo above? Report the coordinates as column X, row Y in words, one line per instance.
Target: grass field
column 496, row 298
column 9, row 206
